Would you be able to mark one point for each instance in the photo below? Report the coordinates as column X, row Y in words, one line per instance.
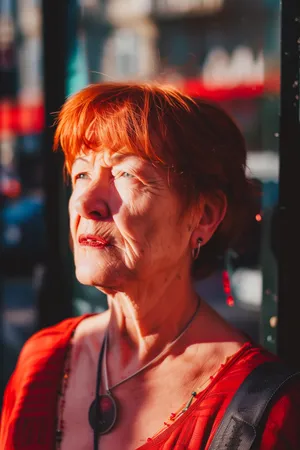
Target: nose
column 91, row 204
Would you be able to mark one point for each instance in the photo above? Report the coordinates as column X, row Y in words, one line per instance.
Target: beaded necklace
column 185, row 406
column 60, row 426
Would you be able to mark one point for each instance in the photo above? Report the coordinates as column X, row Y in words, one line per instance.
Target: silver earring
column 196, row 251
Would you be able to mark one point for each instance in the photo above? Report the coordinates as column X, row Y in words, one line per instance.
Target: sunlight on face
column 123, row 219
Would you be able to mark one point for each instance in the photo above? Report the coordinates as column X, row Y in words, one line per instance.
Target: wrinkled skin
column 129, row 203
column 145, row 270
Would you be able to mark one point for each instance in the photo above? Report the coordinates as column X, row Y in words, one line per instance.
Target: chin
column 107, row 280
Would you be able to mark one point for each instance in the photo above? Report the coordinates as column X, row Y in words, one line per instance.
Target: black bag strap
column 240, row 424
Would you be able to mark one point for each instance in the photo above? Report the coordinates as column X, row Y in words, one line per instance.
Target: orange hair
column 196, row 141
column 118, row 116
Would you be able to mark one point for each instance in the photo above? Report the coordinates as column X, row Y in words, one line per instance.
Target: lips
column 91, row 240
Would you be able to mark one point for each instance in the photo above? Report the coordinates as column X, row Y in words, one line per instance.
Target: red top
column 29, row 409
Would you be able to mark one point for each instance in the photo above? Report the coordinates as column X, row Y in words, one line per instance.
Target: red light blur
column 226, row 282
column 230, row 301
column 227, row 289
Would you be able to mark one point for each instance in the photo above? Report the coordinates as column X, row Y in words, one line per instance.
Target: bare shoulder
column 215, row 328
column 92, row 324
column 89, row 333
column 212, row 342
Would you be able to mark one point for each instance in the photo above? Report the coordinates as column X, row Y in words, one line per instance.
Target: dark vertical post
column 2, row 362
column 55, row 299
column 8, row 92
column 289, row 187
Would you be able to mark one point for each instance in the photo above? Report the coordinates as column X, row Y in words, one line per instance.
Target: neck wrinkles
column 143, row 323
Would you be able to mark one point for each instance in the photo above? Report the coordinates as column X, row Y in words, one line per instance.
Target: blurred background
column 224, row 50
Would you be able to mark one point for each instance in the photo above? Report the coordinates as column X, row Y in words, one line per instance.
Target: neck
column 147, row 318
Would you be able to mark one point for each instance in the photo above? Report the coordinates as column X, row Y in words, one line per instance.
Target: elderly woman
column 159, row 191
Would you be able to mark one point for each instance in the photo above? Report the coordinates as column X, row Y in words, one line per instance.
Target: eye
column 80, row 176
column 126, row 175
column 120, row 174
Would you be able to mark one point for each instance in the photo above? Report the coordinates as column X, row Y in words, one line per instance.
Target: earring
column 196, row 251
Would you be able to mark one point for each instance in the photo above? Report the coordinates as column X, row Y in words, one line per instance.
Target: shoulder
column 38, row 371
column 94, row 324
column 229, row 378
column 42, row 347
column 87, row 339
column 50, row 339
column 282, row 429
column 244, row 361
column 282, row 423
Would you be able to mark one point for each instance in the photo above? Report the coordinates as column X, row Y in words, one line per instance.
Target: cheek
column 135, row 214
column 71, row 211
column 71, row 204
column 122, row 196
column 148, row 225
column 73, row 215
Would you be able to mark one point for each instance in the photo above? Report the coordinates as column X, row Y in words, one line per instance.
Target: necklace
column 103, row 410
column 195, row 394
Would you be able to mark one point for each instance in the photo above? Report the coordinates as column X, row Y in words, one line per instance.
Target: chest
column 143, row 404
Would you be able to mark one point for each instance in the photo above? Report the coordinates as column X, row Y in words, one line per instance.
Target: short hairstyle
column 196, row 141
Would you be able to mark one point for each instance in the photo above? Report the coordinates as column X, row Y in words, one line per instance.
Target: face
column 125, row 221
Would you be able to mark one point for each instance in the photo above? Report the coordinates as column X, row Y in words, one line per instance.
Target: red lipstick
column 92, row 240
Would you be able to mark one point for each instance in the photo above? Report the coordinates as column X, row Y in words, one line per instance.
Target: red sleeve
column 6, row 411
column 31, row 393
column 282, row 430
column 15, row 387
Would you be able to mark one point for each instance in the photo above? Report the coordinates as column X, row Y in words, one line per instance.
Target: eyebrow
column 80, row 158
column 118, row 157
column 115, row 158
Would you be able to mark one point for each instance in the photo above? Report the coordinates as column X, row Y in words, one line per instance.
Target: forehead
column 104, row 156
column 108, row 158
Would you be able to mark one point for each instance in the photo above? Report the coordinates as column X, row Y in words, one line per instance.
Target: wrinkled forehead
column 108, row 157
column 123, row 127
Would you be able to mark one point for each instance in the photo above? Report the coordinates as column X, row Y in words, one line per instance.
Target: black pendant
column 107, row 414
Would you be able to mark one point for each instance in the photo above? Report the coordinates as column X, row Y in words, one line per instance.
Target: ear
column 212, row 210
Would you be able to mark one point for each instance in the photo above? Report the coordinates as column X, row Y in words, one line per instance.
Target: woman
column 159, row 191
